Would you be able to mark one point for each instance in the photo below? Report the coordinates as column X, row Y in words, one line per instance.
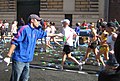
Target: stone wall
column 8, row 10
column 114, row 10
column 87, row 5
column 89, row 10
column 51, row 5
column 55, row 10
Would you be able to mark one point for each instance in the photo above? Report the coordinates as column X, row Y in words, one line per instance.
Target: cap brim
column 34, row 16
column 39, row 19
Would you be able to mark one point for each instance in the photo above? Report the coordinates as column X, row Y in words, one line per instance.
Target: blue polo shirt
column 25, row 42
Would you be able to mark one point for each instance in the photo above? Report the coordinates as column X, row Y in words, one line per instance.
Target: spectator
column 77, row 30
column 98, row 25
column 14, row 28
column 116, row 23
column 21, row 22
column 84, row 25
column 22, row 48
column 2, row 28
column 6, row 25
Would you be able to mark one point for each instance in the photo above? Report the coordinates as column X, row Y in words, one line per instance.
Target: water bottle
column 81, row 58
column 64, row 39
column 41, row 49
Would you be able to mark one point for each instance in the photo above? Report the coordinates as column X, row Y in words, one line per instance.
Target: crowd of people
column 6, row 27
column 101, row 40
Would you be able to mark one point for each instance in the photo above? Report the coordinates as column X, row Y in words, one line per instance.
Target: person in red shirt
column 84, row 25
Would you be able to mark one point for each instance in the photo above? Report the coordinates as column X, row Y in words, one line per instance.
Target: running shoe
column 80, row 67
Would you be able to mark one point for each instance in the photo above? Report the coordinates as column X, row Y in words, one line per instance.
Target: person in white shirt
column 53, row 30
column 68, row 35
column 6, row 24
column 2, row 29
column 111, row 38
column 48, row 30
column 14, row 28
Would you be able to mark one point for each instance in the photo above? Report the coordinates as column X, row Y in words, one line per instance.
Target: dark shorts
column 93, row 45
column 2, row 33
column 67, row 49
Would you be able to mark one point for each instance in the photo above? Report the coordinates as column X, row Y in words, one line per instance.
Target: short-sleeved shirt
column 53, row 29
column 68, row 33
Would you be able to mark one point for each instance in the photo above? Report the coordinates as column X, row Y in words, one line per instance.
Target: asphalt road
column 38, row 74
column 44, row 74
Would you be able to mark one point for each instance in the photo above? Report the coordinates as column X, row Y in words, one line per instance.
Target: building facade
column 56, row 10
column 74, row 10
column 114, row 10
column 8, row 10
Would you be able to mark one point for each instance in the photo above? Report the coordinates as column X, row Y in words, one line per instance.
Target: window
column 86, row 5
column 7, row 5
column 51, row 5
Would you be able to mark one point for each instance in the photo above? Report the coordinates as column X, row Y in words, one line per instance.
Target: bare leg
column 63, row 59
column 73, row 59
column 56, row 42
column 100, row 59
column 106, row 56
column 48, row 44
column 87, row 54
column 95, row 52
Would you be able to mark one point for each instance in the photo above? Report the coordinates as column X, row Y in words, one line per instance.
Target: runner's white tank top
column 110, row 41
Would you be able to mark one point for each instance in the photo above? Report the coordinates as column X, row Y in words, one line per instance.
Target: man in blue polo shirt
column 22, row 48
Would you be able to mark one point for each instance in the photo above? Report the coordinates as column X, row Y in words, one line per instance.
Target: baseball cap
column 34, row 16
column 66, row 20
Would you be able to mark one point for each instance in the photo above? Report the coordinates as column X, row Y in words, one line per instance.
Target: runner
column 68, row 34
column 48, row 30
column 92, row 44
column 53, row 30
column 111, row 38
column 104, row 48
